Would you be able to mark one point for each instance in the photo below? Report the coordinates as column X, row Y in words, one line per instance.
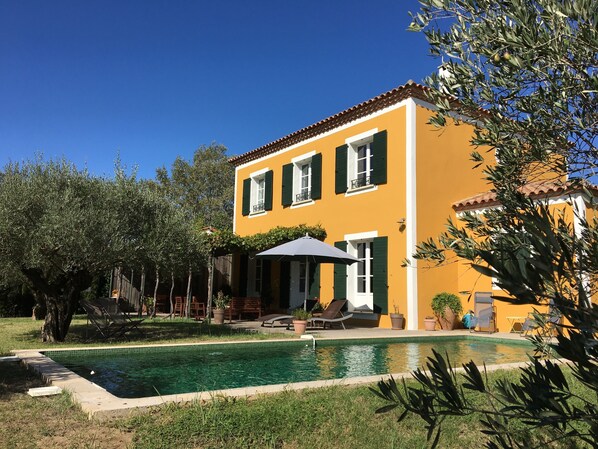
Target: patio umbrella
column 309, row 250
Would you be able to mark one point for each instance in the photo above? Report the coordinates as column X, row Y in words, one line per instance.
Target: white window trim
column 303, row 157
column 297, row 162
column 259, row 172
column 358, row 138
column 355, row 298
column 353, row 142
column 255, row 176
column 361, row 236
column 360, row 190
column 299, row 204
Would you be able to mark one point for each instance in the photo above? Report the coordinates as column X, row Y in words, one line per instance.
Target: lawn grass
column 24, row 333
column 335, row 417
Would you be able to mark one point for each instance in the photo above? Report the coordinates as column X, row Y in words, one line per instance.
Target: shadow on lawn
column 158, row 330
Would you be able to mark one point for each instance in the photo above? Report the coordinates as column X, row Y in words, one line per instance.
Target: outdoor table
column 513, row 320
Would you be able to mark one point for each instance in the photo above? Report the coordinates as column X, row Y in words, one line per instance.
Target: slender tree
column 533, row 68
column 203, row 187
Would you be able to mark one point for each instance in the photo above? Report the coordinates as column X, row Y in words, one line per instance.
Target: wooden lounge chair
column 484, row 318
column 332, row 314
column 107, row 317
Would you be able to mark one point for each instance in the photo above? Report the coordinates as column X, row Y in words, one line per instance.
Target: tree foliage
column 226, row 241
column 61, row 227
column 533, row 68
column 203, row 187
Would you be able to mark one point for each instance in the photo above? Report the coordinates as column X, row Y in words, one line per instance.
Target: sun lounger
column 333, row 314
column 285, row 318
column 273, row 318
column 107, row 317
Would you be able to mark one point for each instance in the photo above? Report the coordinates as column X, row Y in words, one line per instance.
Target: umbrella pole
column 306, row 283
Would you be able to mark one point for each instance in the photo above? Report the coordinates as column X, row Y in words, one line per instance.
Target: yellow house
column 379, row 180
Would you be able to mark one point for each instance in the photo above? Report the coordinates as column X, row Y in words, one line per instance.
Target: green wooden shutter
column 243, row 267
column 380, row 269
column 314, row 281
column 287, row 184
column 269, row 178
column 285, row 284
column 316, row 176
column 246, row 196
column 379, row 158
column 340, row 274
column 340, row 182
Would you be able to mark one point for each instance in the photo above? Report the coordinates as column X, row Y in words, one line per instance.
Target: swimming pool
column 143, row 372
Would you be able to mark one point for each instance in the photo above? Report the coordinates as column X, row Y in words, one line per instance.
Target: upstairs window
column 302, row 179
column 361, row 162
column 257, row 193
column 363, row 166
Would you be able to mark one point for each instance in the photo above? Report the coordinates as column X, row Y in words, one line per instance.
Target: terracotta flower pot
column 396, row 320
column 299, row 326
column 430, row 324
column 218, row 316
column 447, row 320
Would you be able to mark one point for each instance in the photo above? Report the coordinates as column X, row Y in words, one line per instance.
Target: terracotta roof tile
column 394, row 96
column 536, row 190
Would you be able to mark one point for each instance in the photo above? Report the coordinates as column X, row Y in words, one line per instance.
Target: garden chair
column 546, row 324
column 484, row 314
column 197, row 309
column 179, row 306
column 107, row 317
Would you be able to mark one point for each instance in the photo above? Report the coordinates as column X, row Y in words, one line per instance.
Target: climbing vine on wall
column 226, row 242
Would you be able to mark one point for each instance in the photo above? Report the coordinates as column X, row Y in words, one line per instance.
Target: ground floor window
column 360, row 283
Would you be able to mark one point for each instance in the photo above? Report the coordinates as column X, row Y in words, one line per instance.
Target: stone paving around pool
column 97, row 403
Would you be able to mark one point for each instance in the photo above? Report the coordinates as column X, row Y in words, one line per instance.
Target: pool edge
column 99, row 404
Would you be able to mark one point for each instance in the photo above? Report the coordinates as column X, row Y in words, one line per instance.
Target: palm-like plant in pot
column 446, row 307
column 300, row 318
column 220, row 302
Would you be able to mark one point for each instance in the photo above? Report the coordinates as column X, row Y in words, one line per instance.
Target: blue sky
column 149, row 80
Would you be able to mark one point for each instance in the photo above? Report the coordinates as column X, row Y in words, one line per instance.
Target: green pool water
column 141, row 372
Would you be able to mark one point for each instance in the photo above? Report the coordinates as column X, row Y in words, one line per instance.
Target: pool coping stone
column 97, row 403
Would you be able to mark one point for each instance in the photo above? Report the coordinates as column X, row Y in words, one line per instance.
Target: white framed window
column 365, row 274
column 363, row 165
column 302, row 184
column 258, row 194
column 360, row 286
column 360, row 156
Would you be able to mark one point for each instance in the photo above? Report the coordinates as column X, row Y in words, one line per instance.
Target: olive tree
column 524, row 73
column 60, row 227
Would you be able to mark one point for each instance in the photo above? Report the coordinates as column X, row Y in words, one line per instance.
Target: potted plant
column 300, row 318
column 430, row 323
column 220, row 303
column 396, row 319
column 446, row 307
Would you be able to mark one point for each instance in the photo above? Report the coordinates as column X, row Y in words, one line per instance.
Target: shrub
column 443, row 300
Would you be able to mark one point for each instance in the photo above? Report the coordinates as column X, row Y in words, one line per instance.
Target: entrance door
column 297, row 287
